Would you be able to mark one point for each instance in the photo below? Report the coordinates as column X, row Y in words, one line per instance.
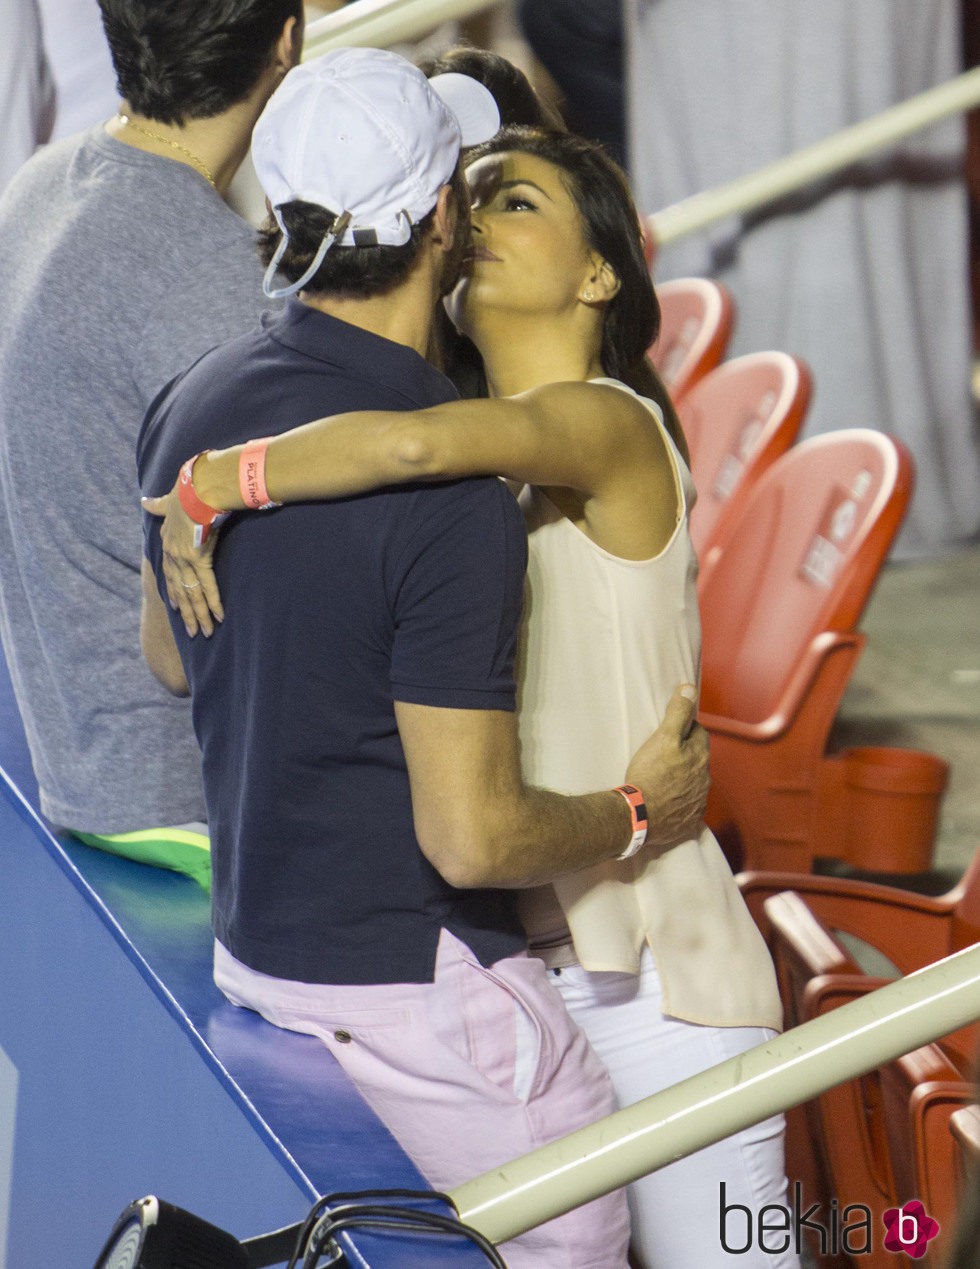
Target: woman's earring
column 587, row 296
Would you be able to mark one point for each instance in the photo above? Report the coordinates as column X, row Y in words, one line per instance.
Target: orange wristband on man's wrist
column 638, row 814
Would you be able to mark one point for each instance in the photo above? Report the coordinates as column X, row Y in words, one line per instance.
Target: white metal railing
column 816, row 161
column 381, row 23
column 790, row 1069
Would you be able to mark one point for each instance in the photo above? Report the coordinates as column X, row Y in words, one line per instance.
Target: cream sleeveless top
column 604, row 644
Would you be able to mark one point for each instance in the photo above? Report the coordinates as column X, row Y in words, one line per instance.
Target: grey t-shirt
column 117, row 269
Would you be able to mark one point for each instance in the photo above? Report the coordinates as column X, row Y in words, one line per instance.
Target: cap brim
column 472, row 104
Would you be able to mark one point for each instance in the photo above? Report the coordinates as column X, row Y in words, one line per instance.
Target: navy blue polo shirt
column 333, row 612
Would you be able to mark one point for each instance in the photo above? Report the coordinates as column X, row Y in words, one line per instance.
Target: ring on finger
column 190, row 585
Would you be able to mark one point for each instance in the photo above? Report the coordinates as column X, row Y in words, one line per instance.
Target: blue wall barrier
column 124, row 1072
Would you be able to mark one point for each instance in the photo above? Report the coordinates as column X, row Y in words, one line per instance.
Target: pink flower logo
column 909, row 1229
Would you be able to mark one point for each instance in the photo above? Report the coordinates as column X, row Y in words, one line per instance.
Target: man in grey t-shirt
column 120, row 263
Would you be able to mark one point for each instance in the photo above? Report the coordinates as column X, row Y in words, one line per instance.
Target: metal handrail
column 381, row 23
column 746, row 1089
column 816, row 161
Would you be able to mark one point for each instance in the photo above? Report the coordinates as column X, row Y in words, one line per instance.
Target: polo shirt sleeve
column 457, row 592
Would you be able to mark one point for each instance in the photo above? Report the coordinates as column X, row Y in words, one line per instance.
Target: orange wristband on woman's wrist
column 251, row 476
column 204, row 516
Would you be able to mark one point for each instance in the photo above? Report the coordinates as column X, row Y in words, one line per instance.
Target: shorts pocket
column 485, row 1021
column 526, row 1037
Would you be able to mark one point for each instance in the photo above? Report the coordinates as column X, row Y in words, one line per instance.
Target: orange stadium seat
column 965, row 1237
column 910, row 930
column 696, row 320
column 779, row 607
column 737, row 420
column 886, row 1137
column 964, row 1124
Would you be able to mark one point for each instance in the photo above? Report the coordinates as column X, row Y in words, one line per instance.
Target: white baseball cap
column 362, row 133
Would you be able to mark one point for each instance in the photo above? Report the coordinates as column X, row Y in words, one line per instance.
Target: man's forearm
column 536, row 835
column 480, row 824
column 546, row 835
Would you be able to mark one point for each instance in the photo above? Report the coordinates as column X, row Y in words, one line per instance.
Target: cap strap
column 336, row 230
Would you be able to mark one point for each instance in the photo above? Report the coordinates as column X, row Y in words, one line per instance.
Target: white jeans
column 676, row 1212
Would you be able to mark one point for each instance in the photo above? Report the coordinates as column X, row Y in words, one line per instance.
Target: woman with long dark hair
column 657, row 958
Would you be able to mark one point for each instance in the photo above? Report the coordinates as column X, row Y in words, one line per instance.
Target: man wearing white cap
column 356, row 708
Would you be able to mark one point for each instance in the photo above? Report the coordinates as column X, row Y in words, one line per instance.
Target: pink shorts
column 467, row 1072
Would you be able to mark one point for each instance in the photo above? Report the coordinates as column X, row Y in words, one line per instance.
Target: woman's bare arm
column 585, row 437
column 572, row 435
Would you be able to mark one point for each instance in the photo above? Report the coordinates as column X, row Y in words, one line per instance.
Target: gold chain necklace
column 201, row 166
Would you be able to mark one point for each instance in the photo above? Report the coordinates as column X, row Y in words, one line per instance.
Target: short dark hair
column 191, row 59
column 346, row 272
column 601, row 193
column 516, row 100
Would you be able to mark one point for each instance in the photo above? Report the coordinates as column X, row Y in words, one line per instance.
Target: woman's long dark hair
column 600, row 191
